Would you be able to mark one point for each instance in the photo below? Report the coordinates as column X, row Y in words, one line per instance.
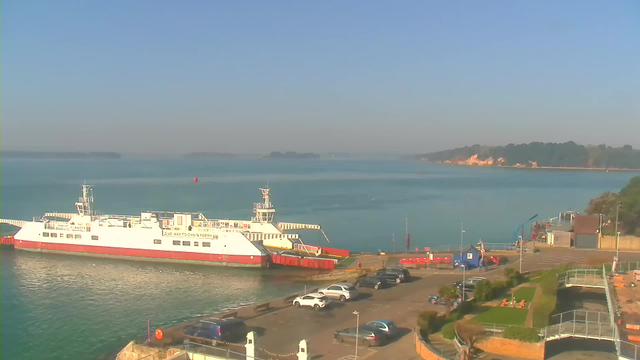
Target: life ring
column 159, row 334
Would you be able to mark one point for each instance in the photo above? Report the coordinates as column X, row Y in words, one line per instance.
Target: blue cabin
column 470, row 258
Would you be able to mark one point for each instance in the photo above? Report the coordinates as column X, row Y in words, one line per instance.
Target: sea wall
column 626, row 242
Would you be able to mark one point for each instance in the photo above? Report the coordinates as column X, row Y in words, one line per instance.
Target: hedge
column 542, row 310
column 521, row 334
column 449, row 331
column 427, row 320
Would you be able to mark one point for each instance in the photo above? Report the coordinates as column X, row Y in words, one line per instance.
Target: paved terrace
column 279, row 331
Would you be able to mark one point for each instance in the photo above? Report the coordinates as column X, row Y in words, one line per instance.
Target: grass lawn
column 502, row 315
column 525, row 293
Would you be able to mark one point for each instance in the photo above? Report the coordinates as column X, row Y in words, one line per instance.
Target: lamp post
column 464, row 269
column 357, row 314
column 520, row 254
column 617, row 233
column 393, row 240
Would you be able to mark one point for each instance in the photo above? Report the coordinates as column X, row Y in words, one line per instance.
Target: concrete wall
column 627, row 242
column 423, row 350
column 500, row 346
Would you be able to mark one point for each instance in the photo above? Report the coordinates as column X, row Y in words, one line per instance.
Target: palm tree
column 448, row 293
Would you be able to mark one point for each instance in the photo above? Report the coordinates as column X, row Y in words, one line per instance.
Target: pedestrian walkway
column 445, row 347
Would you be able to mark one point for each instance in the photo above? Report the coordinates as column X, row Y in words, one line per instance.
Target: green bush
column 465, row 307
column 499, row 287
column 542, row 310
column 483, row 291
column 455, row 316
column 521, row 334
column 549, row 283
column 449, row 331
column 427, row 320
column 512, row 276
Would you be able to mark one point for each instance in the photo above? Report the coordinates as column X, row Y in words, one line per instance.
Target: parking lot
column 280, row 331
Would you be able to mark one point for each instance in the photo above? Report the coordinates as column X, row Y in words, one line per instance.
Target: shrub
column 455, row 316
column 542, row 310
column 513, row 277
column 449, row 331
column 483, row 291
column 499, row 287
column 521, row 334
column 427, row 320
column 549, row 283
column 465, row 307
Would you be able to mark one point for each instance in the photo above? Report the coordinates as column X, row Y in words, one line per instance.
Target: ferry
column 163, row 235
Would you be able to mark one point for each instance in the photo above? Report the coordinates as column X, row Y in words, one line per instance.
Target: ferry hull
column 145, row 255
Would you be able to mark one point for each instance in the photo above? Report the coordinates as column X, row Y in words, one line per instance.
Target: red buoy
column 159, row 334
column 195, row 179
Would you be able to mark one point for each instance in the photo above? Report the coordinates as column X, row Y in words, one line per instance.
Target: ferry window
column 69, row 236
column 195, row 243
column 176, row 242
column 186, row 243
column 45, row 234
column 157, row 241
column 78, row 236
column 94, row 237
column 54, row 235
column 215, row 237
column 61, row 235
column 206, row 244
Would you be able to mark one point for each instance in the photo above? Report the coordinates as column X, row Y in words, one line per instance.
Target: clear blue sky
column 259, row 76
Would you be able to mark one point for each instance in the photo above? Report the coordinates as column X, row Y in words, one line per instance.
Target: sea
column 57, row 307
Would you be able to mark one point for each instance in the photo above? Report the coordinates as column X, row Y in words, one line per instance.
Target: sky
column 322, row 76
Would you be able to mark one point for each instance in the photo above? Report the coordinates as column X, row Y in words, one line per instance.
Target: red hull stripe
column 160, row 254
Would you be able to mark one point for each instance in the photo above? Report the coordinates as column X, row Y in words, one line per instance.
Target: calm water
column 54, row 306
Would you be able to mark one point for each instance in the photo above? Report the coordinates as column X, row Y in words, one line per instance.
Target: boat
column 163, row 235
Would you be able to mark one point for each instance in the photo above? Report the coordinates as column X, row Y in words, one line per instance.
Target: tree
column 628, row 213
column 470, row 333
column 448, row 293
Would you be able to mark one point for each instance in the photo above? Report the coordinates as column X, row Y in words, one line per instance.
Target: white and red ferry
column 162, row 235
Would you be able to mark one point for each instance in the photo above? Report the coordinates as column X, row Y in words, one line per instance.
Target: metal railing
column 438, row 350
column 582, row 324
column 582, row 316
column 208, row 352
column 582, row 277
column 624, row 267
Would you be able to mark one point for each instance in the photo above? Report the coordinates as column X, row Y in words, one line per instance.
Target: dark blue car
column 228, row 330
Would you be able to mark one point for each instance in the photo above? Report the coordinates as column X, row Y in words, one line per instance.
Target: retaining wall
column 422, row 348
column 501, row 346
column 626, row 242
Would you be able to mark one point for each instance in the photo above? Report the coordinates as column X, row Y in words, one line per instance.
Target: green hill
column 538, row 154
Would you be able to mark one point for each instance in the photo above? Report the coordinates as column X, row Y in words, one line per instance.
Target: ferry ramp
column 18, row 223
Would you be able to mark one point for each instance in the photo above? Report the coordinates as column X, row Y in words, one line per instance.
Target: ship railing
column 262, row 206
column 50, row 226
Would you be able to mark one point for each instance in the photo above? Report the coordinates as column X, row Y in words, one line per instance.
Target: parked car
column 366, row 336
column 341, row 291
column 437, row 300
column 393, row 275
column 405, row 272
column 217, row 330
column 315, row 300
column 470, row 283
column 386, row 326
column 376, row 282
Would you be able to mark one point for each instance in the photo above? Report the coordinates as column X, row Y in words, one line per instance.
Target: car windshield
column 391, row 325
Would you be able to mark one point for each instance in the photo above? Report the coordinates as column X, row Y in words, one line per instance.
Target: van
column 228, row 330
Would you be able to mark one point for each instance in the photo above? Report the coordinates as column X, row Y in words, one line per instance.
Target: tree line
column 568, row 154
column 627, row 203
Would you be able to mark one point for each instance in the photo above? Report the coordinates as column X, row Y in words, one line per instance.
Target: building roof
column 586, row 224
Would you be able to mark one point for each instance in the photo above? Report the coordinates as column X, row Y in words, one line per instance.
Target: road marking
column 360, row 356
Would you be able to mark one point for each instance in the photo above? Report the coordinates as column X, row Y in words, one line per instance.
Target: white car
column 341, row 291
column 316, row 300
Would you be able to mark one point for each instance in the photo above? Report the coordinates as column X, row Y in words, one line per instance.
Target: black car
column 217, row 330
column 375, row 282
column 367, row 336
column 393, row 275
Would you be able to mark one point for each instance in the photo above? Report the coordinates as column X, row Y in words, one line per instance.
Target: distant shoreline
column 533, row 168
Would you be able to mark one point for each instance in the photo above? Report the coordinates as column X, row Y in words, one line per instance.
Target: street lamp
column 357, row 314
column 464, row 269
column 617, row 232
column 520, row 254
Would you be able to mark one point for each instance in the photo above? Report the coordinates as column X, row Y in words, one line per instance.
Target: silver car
column 341, row 291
